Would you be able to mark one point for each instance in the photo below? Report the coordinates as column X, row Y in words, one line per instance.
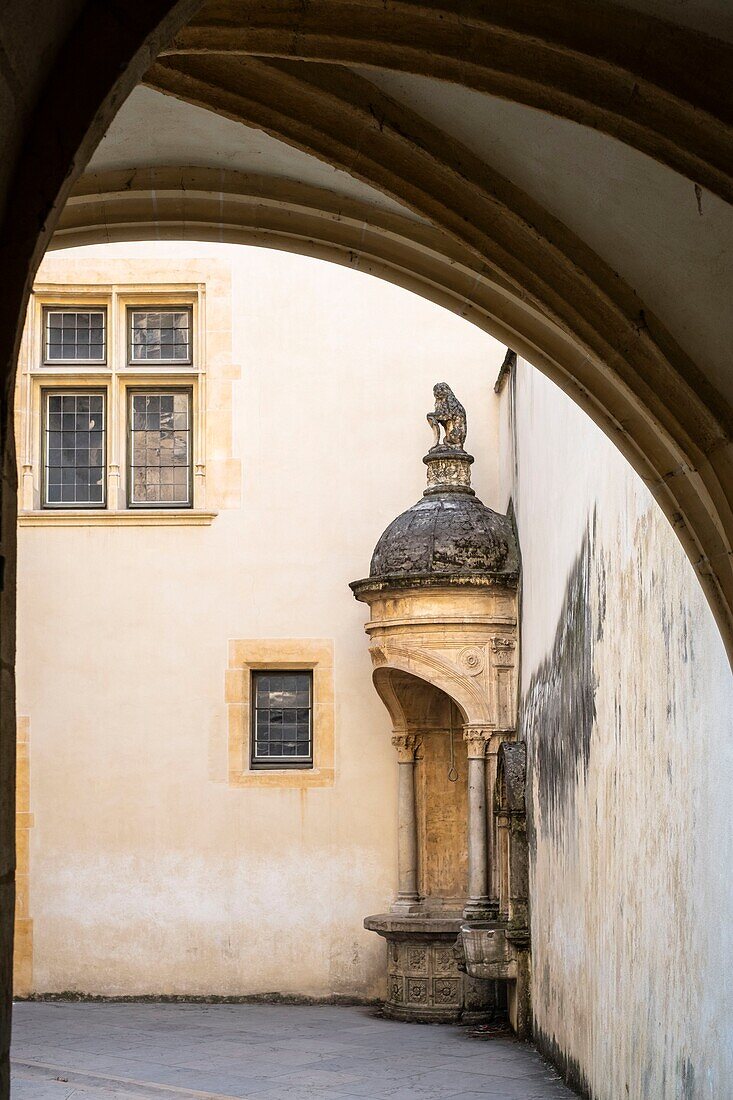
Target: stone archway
column 200, row 203
column 625, row 369
column 587, row 326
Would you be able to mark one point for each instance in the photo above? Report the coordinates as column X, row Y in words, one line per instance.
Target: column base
column 406, row 905
column 481, row 909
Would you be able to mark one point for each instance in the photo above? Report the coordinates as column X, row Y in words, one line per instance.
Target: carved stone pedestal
column 424, row 982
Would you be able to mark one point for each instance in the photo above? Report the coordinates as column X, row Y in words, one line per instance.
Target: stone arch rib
column 676, row 428
column 587, row 62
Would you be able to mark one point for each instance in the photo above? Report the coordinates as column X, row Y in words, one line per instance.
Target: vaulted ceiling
column 558, row 172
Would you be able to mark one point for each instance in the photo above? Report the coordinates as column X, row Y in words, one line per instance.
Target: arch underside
column 414, row 701
column 469, row 238
column 206, row 204
column 587, row 62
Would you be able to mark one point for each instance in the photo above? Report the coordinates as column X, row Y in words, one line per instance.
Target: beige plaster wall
column 627, row 704
column 150, row 870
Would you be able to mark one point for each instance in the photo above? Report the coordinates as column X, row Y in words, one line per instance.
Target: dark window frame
column 75, row 391
column 186, row 307
column 46, row 362
column 130, row 391
column 279, row 763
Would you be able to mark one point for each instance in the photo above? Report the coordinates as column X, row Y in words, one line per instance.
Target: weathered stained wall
column 149, row 871
column 627, row 706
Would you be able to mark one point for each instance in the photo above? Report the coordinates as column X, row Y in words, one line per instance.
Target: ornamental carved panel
column 446, row 991
column 471, row 659
column 503, row 646
column 396, row 992
column 417, row 991
column 424, row 982
column 417, row 960
column 443, row 960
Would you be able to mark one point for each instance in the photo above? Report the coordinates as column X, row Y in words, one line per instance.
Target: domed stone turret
column 449, row 536
column 443, row 640
column 447, row 533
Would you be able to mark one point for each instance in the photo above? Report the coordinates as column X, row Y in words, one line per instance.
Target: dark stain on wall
column 569, row 1068
column 687, row 1080
column 558, row 709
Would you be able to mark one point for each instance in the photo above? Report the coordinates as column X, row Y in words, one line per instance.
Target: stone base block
column 424, row 984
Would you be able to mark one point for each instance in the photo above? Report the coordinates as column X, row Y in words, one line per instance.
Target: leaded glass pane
column 282, row 719
column 160, row 336
column 75, row 458
column 73, row 335
column 160, row 448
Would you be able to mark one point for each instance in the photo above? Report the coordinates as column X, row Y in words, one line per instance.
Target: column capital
column 406, row 744
column 477, row 738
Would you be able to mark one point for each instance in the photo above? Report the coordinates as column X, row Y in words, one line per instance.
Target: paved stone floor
column 267, row 1052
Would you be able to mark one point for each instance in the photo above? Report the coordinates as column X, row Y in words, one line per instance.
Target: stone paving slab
column 153, row 1051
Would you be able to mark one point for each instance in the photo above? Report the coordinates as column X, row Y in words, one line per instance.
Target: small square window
column 74, row 443
column 160, row 335
column 75, row 336
column 159, row 467
column 282, row 719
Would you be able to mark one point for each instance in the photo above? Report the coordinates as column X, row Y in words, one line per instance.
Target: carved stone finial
column 449, row 467
column 451, row 415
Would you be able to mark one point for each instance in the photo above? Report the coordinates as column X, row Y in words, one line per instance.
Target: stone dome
column 447, row 534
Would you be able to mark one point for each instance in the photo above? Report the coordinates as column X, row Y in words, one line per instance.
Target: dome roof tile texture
column 447, row 533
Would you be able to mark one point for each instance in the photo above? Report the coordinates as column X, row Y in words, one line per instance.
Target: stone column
column 407, row 895
column 478, row 906
column 498, row 737
column 502, row 860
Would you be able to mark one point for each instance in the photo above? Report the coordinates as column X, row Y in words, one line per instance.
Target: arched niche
column 441, row 784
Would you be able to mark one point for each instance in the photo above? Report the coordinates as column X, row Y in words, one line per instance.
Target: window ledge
column 163, row 517
column 286, row 777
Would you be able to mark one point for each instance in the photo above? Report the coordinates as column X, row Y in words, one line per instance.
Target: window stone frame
column 274, row 655
column 264, row 763
column 115, row 375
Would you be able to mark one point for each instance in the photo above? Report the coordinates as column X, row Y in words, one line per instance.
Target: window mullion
column 116, row 409
column 199, row 335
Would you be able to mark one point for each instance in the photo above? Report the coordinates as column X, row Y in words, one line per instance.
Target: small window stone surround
column 246, row 656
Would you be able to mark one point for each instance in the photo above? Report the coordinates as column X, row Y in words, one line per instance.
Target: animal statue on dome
column 449, row 413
